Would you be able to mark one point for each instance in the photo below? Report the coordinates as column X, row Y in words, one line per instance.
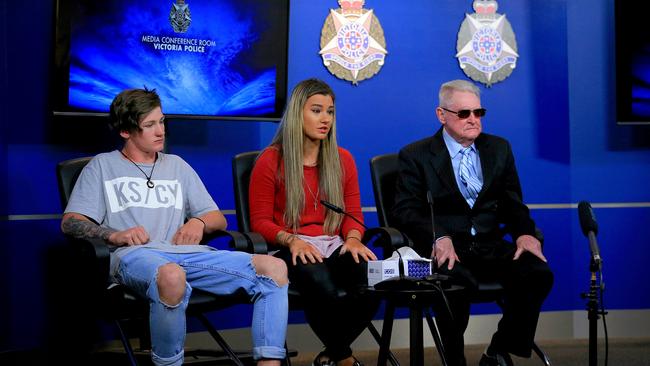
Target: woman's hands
column 357, row 249
column 303, row 250
column 307, row 253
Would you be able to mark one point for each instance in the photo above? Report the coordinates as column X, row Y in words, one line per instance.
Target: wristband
column 289, row 238
column 200, row 219
column 285, row 238
column 353, row 237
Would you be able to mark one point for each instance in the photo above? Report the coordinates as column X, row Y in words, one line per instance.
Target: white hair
column 459, row 85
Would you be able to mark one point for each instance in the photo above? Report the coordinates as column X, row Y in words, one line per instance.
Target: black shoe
column 356, row 362
column 323, row 360
column 495, row 359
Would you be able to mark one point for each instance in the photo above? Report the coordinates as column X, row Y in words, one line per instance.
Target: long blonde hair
column 289, row 140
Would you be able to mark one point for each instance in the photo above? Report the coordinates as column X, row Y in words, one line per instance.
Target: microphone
column 433, row 228
column 337, row 209
column 589, row 228
column 435, row 276
column 401, row 282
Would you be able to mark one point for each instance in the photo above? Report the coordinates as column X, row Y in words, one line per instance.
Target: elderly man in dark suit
column 477, row 196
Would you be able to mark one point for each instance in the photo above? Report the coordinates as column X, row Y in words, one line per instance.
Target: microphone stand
column 593, row 314
column 434, row 277
column 590, row 229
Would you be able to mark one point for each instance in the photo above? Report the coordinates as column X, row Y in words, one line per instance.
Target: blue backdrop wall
column 557, row 109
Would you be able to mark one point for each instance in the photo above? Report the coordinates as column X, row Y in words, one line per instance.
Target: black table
column 418, row 300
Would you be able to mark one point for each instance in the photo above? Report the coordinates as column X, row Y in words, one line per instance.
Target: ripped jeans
column 219, row 272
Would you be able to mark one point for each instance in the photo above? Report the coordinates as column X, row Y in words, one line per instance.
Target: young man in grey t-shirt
column 152, row 210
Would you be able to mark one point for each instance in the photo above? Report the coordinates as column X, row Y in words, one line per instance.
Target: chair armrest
column 93, row 257
column 238, row 241
column 388, row 238
column 252, row 243
column 257, row 243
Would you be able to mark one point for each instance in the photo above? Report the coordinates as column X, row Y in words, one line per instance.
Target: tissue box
column 417, row 268
column 381, row 270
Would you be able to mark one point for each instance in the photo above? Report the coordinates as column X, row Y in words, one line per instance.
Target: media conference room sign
column 352, row 42
column 486, row 49
column 165, row 43
column 180, row 19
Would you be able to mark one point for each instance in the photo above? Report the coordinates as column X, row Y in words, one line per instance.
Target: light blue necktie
column 468, row 175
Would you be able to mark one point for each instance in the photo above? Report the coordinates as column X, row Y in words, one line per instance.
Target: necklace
column 149, row 182
column 314, row 196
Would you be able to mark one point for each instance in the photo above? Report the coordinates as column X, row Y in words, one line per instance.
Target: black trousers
column 336, row 320
column 526, row 281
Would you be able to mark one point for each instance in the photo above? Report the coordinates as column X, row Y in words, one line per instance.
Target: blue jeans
column 219, row 272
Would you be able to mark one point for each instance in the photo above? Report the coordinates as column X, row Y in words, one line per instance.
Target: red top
column 267, row 197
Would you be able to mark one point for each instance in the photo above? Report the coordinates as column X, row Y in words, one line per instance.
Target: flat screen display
column 632, row 62
column 206, row 58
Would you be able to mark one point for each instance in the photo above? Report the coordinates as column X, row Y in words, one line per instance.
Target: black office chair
column 242, row 166
column 384, row 170
column 119, row 305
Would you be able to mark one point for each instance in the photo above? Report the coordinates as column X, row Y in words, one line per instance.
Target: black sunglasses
column 464, row 113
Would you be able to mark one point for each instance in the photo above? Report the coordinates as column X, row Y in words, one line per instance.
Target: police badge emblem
column 352, row 42
column 180, row 17
column 486, row 47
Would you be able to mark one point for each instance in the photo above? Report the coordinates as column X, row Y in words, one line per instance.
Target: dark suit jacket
column 425, row 165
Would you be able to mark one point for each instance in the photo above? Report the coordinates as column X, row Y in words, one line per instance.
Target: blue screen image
column 223, row 63
column 641, row 82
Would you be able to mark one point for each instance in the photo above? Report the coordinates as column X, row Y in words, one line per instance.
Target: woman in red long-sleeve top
column 323, row 249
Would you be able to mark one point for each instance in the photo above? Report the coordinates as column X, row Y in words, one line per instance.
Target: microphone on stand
column 433, row 229
column 337, row 209
column 400, row 282
column 435, row 276
column 589, row 228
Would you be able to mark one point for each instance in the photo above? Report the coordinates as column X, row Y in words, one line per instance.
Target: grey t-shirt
column 112, row 191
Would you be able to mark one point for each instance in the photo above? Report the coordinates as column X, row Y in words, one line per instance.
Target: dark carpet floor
column 622, row 352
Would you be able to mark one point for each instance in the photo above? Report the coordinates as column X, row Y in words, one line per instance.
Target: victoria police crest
column 486, row 49
column 180, row 17
column 352, row 42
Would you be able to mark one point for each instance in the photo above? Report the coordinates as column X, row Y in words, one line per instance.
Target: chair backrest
column 242, row 166
column 383, row 169
column 67, row 173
